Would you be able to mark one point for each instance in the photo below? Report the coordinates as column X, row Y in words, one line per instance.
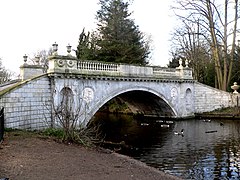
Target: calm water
column 206, row 150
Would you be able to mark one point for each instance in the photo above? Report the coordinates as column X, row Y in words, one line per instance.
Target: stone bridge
column 32, row 101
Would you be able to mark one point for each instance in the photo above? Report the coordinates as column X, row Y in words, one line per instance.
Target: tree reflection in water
column 195, row 155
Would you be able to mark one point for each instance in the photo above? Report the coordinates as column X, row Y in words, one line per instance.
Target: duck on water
column 179, row 133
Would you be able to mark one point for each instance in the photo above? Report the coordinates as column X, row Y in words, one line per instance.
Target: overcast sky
column 28, row 26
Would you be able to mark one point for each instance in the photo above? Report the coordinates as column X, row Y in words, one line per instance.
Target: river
column 207, row 149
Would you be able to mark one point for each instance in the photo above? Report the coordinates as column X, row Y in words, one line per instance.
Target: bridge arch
column 118, row 92
column 28, row 102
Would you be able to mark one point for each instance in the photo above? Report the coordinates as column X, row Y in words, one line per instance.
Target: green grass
column 49, row 132
column 53, row 132
column 229, row 110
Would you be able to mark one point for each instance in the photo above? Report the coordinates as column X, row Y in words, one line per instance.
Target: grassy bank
column 224, row 113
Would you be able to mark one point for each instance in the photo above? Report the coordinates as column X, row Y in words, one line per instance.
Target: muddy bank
column 24, row 157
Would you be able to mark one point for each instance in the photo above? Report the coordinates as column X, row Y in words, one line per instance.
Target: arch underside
column 144, row 102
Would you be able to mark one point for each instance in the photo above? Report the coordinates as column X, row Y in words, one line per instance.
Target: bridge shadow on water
column 207, row 149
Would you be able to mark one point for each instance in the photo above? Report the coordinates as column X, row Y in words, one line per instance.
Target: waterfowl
column 221, row 124
column 179, row 133
column 159, row 121
column 165, row 125
column 144, row 124
column 207, row 120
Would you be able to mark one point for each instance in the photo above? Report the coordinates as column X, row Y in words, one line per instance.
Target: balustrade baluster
column 102, row 67
column 81, row 65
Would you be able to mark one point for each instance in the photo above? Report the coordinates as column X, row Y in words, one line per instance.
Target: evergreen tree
column 121, row 41
column 87, row 48
column 82, row 47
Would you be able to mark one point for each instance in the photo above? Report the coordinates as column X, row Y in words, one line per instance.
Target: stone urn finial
column 186, row 63
column 69, row 49
column 55, row 48
column 25, row 58
column 37, row 59
column 235, row 88
column 180, row 63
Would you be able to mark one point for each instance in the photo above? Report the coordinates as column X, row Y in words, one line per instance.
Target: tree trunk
column 233, row 42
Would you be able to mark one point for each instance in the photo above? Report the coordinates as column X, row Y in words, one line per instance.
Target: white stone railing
column 97, row 66
column 70, row 64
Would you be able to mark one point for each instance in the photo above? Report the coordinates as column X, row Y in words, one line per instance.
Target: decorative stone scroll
column 60, row 62
column 70, row 63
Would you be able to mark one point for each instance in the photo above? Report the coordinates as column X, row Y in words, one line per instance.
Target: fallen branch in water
column 211, row 131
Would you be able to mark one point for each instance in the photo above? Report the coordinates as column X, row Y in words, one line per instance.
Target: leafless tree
column 188, row 42
column 5, row 75
column 41, row 57
column 217, row 23
column 67, row 115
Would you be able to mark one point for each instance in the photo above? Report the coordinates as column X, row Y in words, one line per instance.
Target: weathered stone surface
column 207, row 98
column 30, row 71
column 29, row 104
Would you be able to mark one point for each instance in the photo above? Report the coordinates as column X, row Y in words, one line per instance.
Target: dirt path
column 31, row 157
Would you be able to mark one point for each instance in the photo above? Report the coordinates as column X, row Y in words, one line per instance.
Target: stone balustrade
column 97, row 66
column 70, row 64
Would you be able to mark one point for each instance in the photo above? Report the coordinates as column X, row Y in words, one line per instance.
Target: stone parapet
column 29, row 71
column 72, row 65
